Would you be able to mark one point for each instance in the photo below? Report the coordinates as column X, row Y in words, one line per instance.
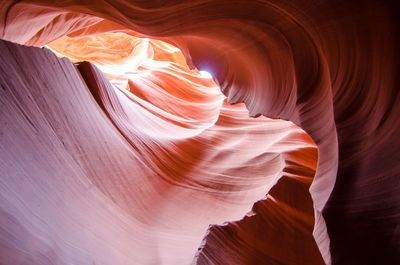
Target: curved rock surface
column 329, row 67
column 158, row 164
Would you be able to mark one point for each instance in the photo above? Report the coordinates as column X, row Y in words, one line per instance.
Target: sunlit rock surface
column 160, row 163
column 135, row 173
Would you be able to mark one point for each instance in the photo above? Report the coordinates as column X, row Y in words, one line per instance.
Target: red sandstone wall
column 330, row 67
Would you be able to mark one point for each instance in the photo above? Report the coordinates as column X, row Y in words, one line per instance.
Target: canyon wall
column 331, row 68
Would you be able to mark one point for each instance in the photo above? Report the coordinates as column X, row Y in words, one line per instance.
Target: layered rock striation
column 330, row 68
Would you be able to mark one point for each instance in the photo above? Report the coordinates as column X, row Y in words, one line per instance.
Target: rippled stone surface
column 330, row 68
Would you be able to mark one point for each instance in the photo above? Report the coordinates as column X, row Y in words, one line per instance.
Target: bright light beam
column 205, row 74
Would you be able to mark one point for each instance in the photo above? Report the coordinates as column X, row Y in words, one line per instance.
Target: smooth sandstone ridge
column 138, row 176
column 134, row 171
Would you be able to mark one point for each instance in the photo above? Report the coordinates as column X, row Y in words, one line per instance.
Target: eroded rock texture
column 165, row 173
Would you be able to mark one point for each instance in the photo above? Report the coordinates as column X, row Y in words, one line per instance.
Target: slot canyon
column 199, row 132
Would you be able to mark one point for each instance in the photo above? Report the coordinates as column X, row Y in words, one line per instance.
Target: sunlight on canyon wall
column 126, row 153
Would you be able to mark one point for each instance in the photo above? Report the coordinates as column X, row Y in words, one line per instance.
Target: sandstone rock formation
column 135, row 172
